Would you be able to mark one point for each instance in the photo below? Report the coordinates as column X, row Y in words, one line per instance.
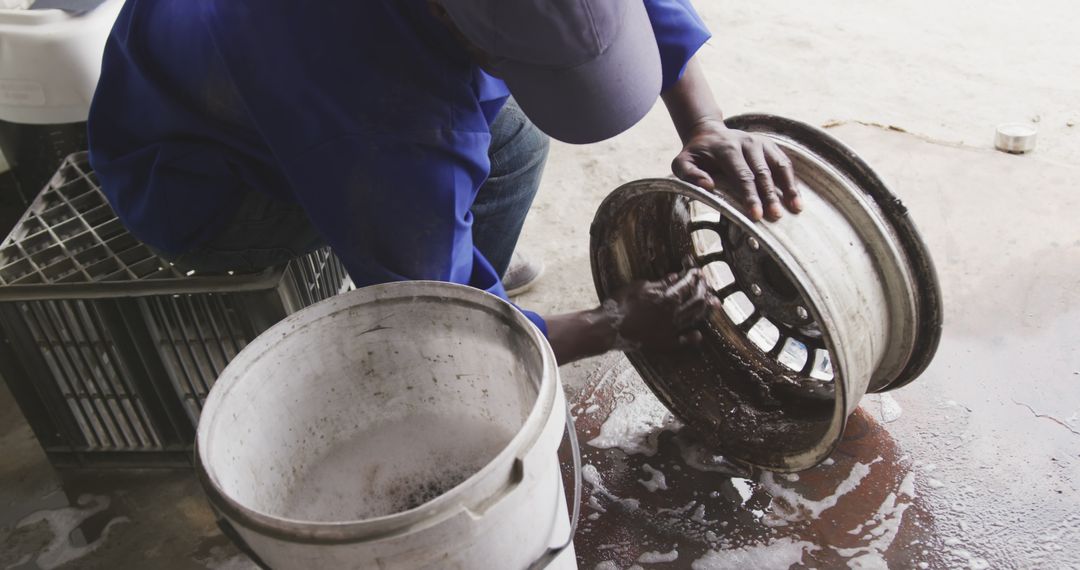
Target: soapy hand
column 760, row 174
column 661, row 314
column 649, row 315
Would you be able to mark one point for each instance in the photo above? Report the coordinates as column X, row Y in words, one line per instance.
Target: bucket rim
column 425, row 515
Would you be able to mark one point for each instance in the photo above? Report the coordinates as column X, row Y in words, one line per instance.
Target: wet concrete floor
column 975, row 465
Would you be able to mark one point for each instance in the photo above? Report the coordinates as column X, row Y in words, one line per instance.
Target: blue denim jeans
column 267, row 232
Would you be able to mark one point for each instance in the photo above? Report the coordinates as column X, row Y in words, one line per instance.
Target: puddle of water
column 929, row 484
column 855, row 510
column 791, row 506
column 780, row 553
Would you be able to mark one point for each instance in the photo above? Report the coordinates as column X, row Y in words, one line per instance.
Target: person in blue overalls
column 409, row 135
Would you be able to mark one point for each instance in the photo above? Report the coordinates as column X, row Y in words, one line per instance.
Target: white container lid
column 1016, row 138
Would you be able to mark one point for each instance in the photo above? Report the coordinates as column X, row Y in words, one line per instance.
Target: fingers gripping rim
column 841, row 157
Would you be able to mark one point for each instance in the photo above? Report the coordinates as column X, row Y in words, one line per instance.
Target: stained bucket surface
column 406, row 425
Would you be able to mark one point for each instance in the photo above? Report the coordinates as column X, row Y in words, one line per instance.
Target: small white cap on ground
column 1016, row 138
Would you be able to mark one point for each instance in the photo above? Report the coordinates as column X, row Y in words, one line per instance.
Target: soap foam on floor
column 780, row 553
column 743, row 487
column 791, row 506
column 635, row 426
column 883, row 528
column 656, row 480
column 62, row 522
column 591, row 475
column 658, row 557
column 884, row 407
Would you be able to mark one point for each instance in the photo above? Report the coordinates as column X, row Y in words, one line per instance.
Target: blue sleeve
column 380, row 138
column 389, row 220
column 680, row 32
column 536, row 320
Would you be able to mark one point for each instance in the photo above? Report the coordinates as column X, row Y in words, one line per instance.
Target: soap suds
column 744, row 488
column 657, row 557
column 781, row 553
column 656, row 479
column 591, row 476
column 62, row 522
column 635, row 426
column 679, row 512
column 699, row 516
column 697, row 457
column 884, row 407
column 235, row 562
column 888, row 518
column 791, row 506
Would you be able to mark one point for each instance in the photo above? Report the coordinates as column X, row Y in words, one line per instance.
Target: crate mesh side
column 197, row 335
column 318, row 276
column 89, row 371
column 71, row 235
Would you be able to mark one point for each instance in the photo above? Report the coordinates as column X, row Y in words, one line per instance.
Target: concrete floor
column 996, row 413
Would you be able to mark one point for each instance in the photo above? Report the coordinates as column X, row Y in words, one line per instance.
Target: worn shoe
column 522, row 274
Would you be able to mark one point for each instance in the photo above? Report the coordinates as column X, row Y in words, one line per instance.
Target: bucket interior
column 371, row 409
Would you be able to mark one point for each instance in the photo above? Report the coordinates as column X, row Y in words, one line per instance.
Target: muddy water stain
column 863, row 507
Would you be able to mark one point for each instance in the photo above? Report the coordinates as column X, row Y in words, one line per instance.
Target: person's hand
column 759, row 173
column 662, row 314
column 643, row 315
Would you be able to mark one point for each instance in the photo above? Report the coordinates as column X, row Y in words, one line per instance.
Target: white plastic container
column 406, row 425
column 50, row 61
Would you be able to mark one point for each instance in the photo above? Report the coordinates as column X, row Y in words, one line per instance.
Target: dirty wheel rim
column 894, row 214
column 847, row 284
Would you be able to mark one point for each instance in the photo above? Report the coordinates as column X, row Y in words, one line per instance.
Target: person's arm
column 754, row 166
column 645, row 315
column 581, row 334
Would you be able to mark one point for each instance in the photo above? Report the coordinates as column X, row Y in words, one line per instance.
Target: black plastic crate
column 109, row 350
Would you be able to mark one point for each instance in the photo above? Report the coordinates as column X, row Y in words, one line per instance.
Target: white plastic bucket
column 406, row 425
column 50, row 61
